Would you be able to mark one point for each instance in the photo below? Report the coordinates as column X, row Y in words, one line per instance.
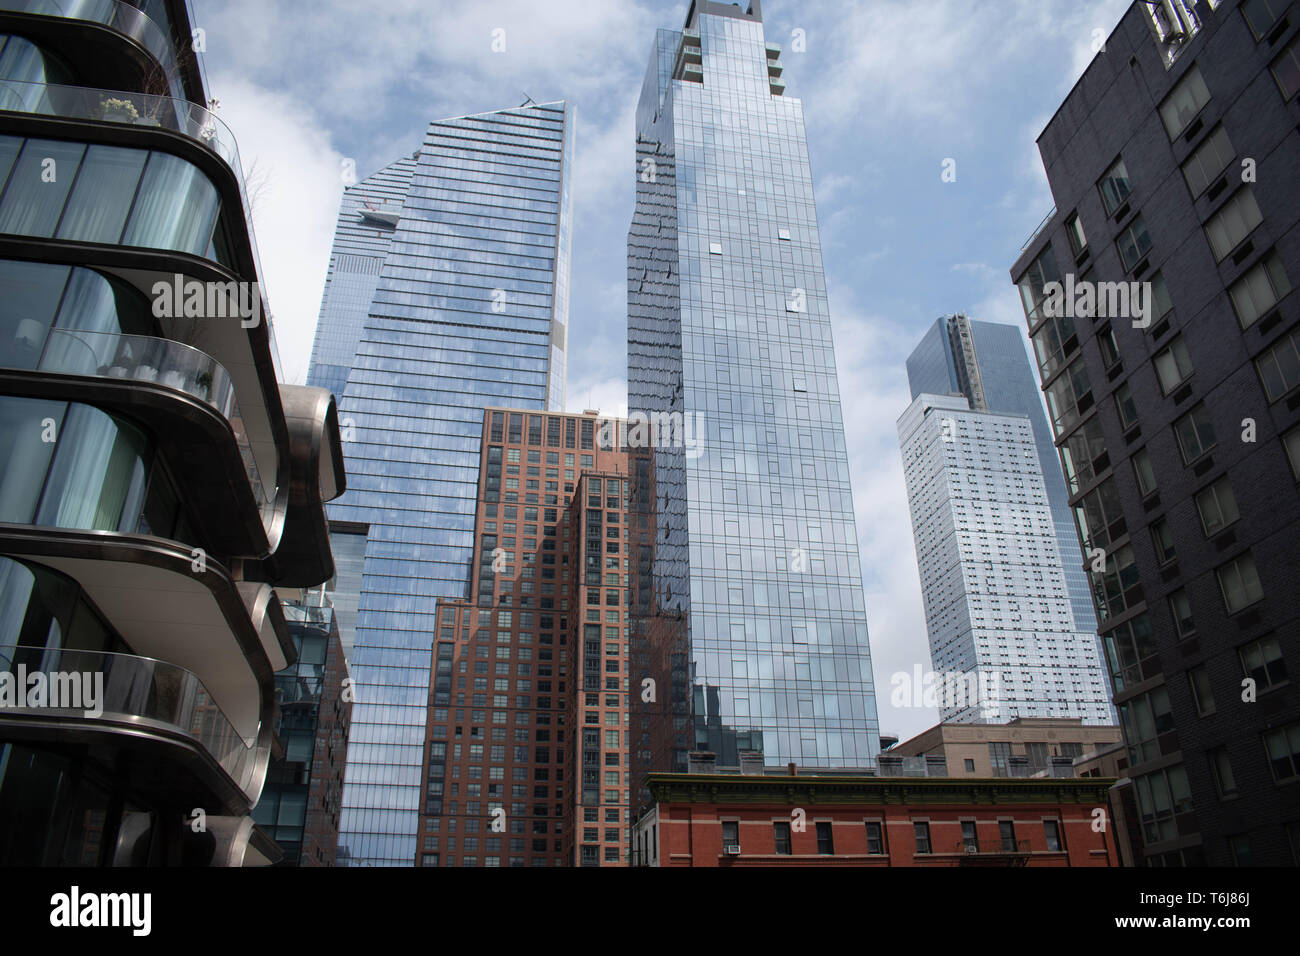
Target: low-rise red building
column 722, row 819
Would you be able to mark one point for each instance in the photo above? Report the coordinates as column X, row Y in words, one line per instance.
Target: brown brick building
column 1022, row 747
column 842, row 820
column 526, row 741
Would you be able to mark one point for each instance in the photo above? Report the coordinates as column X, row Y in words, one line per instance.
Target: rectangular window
column 1262, row 662
column 1186, row 100
column 1210, row 159
column 969, row 837
column 1145, row 720
column 1286, row 69
column 1291, row 442
column 1146, row 474
column 1074, row 230
column 781, row 835
column 1173, row 365
column 921, row 834
column 825, row 843
column 1279, row 367
column 1202, row 694
column 1133, row 243
column 1195, row 434
column 1052, row 830
column 1007, row 831
column 1262, row 14
column 875, row 838
column 1217, row 507
column 1180, row 609
column 1259, row 290
column 1234, row 221
column 730, row 834
column 1239, row 583
column 1126, row 406
column 1114, row 187
column 1160, row 796
column 1283, row 749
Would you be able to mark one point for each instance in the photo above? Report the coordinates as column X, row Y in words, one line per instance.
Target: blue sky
column 891, row 88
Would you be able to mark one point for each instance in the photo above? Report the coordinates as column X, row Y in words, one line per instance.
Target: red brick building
column 526, row 745
column 836, row 820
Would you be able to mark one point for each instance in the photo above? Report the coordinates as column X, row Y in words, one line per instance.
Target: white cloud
column 294, row 208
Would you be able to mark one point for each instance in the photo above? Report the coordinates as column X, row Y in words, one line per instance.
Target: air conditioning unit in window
column 732, row 849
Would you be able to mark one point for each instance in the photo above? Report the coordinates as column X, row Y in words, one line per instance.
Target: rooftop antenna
column 527, row 100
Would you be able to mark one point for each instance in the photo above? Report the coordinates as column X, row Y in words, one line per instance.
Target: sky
column 891, row 90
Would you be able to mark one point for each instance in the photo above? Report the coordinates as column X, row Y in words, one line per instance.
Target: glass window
column 1180, row 609
column 1145, row 719
column 781, row 834
column 1279, row 367
column 1127, row 408
column 1202, row 695
column 1052, row 831
column 1195, row 434
column 1162, row 795
column 1239, row 583
column 1234, row 221
column 39, row 186
column 1217, row 506
column 9, row 147
column 101, row 199
column 1291, row 443
column 1115, row 187
column 176, row 209
column 1043, row 271
column 1286, row 69
column 1145, row 471
column 875, row 837
column 1283, row 749
column 1081, row 453
column 1211, row 158
column 1163, row 540
column 1007, row 831
column 1173, row 365
column 1074, row 230
column 825, row 840
column 1133, row 244
column 1184, row 102
column 1130, row 653
column 1262, row 14
column 29, row 296
column 1262, row 662
column 921, row 834
column 1259, row 290
column 969, row 836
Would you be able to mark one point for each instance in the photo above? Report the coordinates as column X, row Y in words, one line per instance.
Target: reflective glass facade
column 448, row 293
column 759, row 634
column 986, row 362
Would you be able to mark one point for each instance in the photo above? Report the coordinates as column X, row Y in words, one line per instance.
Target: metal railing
column 136, row 689
column 144, row 358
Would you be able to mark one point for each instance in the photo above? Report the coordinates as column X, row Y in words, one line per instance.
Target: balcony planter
column 118, row 111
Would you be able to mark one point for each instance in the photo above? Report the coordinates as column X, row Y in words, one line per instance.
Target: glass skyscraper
column 752, row 622
column 986, row 362
column 447, row 292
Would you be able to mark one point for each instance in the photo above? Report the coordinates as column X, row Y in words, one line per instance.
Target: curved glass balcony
column 122, row 17
column 143, row 358
column 142, row 109
column 137, row 690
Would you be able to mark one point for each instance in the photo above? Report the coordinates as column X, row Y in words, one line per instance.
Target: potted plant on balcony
column 116, row 110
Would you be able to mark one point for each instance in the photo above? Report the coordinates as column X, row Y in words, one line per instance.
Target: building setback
column 156, row 483
column 526, row 745
column 779, row 819
column 1172, row 163
column 1002, row 634
column 447, row 293
column 752, row 623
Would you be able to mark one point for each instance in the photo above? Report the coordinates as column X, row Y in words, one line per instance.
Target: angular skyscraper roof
column 449, row 284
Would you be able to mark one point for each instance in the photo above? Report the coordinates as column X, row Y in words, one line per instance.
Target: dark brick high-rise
column 1173, row 162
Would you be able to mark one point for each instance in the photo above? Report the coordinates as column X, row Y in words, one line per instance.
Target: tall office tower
column 986, row 362
column 156, row 483
column 997, row 607
column 533, row 772
column 1158, row 297
column 303, row 798
column 448, row 292
column 754, row 543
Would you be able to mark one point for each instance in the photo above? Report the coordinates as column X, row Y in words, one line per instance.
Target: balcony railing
column 192, row 121
column 122, row 17
column 139, row 690
column 143, row 358
column 1039, row 228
